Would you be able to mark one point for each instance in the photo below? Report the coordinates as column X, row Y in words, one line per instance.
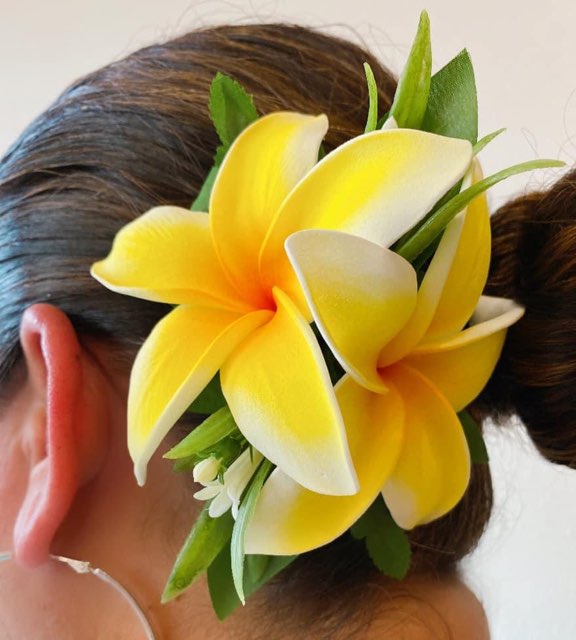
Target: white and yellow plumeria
column 243, row 311
column 413, row 357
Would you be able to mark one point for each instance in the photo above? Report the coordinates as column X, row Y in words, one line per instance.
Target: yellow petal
column 166, row 255
column 177, row 360
column 470, row 235
column 278, row 389
column 259, row 171
column 360, row 295
column 376, row 186
column 433, row 469
column 491, row 315
column 461, row 366
column 453, row 281
column 289, row 519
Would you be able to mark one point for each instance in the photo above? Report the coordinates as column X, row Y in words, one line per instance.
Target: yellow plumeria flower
column 413, row 357
column 241, row 307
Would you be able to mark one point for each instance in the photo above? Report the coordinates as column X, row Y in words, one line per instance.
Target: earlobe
column 60, row 428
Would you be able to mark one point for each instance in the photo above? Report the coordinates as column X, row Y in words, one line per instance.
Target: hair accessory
column 82, row 567
column 330, row 321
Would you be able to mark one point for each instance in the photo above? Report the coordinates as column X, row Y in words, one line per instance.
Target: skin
column 67, row 488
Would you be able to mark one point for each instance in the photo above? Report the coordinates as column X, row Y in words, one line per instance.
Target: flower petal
column 470, row 234
column 209, row 491
column 166, row 255
column 177, row 360
column 491, row 315
column 461, row 366
column 433, row 470
column 290, row 519
column 279, row 391
column 219, row 505
column 377, row 186
column 261, row 168
column 360, row 295
column 239, row 473
column 453, row 281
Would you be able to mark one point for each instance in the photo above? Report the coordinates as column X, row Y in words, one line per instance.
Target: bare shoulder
column 427, row 608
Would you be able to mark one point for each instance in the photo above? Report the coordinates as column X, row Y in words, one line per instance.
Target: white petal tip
column 322, row 121
column 389, row 124
column 97, row 276
column 402, row 505
column 140, row 473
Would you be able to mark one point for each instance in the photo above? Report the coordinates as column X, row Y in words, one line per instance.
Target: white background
column 524, row 57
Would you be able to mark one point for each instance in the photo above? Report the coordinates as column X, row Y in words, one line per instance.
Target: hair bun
column 534, row 262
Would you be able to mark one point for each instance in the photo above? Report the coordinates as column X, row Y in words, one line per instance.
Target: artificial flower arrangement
column 329, row 320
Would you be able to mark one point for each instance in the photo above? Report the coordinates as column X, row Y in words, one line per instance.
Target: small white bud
column 206, row 470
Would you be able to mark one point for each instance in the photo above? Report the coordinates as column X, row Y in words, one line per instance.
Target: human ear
column 63, row 429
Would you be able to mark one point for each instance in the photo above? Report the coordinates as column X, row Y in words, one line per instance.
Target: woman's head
column 137, row 134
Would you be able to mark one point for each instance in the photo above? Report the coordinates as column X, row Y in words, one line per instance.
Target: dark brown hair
column 534, row 261
column 137, row 134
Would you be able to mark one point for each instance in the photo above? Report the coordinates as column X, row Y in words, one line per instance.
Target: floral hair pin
column 328, row 318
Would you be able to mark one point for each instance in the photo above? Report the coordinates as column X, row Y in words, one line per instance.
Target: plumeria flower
column 241, row 309
column 413, row 357
column 226, row 494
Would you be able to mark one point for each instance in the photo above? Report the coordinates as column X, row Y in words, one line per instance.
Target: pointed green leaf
column 411, row 95
column 203, row 198
column 205, row 542
column 486, row 140
column 382, row 120
column 452, row 104
column 245, row 513
column 185, row 465
column 372, row 120
column 231, row 111
column 205, row 435
column 473, row 433
column 231, row 108
column 211, row 399
column 387, row 544
column 433, row 226
column 258, row 570
column 220, row 154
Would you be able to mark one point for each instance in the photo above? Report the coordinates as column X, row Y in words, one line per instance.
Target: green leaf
column 387, row 544
column 372, row 120
column 258, row 570
column 210, row 399
column 382, row 120
column 245, row 513
column 205, row 542
column 451, row 193
column 220, row 154
column 231, row 108
column 185, row 465
column 453, row 104
column 205, row 435
column 486, row 140
column 411, row 95
column 231, row 111
column 473, row 433
column 421, row 263
column 203, row 198
column 433, row 226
